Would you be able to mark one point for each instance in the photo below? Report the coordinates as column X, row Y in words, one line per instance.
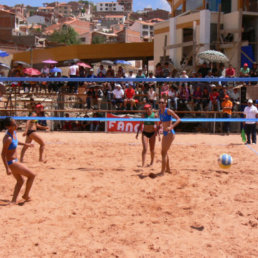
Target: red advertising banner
column 121, row 126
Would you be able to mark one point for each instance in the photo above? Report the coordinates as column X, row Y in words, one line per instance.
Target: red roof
column 79, row 26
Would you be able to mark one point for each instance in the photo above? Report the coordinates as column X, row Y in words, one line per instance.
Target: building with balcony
column 205, row 24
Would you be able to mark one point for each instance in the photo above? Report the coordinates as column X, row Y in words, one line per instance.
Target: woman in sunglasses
column 166, row 116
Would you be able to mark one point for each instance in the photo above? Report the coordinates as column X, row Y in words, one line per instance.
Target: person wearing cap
column 91, row 74
column 149, row 133
column 227, row 106
column 118, row 96
column 245, row 71
column 250, row 112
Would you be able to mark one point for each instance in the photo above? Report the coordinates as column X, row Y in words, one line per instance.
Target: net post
column 106, row 123
column 214, row 124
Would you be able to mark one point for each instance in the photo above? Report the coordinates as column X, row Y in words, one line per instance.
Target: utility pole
column 239, row 41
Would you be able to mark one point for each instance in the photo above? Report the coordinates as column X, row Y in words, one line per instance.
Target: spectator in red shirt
column 230, row 71
column 129, row 97
column 214, row 100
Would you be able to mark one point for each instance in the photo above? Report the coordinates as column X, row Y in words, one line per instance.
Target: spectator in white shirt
column 118, row 96
column 250, row 112
column 131, row 75
column 73, row 73
column 45, row 70
column 235, row 98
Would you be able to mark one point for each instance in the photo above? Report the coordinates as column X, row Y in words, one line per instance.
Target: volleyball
column 225, row 160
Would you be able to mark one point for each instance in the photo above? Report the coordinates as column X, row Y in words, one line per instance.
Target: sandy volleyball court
column 92, row 199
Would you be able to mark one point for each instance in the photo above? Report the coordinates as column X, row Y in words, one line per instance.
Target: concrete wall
column 159, row 40
column 231, row 23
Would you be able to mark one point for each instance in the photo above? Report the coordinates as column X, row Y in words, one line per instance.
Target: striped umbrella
column 213, row 56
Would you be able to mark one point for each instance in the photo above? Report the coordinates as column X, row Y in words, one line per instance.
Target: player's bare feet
column 26, row 198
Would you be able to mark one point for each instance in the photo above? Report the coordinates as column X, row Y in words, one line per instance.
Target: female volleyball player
column 166, row 115
column 9, row 156
column 30, row 133
column 149, row 134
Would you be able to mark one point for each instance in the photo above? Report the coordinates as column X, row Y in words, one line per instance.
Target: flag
column 243, row 135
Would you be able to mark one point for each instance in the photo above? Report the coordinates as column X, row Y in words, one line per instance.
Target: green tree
column 98, row 40
column 67, row 35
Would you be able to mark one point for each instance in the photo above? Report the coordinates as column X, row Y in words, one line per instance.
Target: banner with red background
column 121, row 126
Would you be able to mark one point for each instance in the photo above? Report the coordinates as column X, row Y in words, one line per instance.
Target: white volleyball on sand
column 225, row 161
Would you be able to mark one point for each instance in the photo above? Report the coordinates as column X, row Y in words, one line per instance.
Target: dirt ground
column 93, row 199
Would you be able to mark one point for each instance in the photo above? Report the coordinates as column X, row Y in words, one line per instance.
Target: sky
column 137, row 4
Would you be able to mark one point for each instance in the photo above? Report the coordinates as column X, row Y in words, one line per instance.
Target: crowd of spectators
column 129, row 95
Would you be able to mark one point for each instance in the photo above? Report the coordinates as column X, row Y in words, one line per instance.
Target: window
column 114, row 9
column 106, row 9
column 106, row 4
column 145, row 33
column 100, row 4
column 100, row 9
column 145, row 27
column 151, row 27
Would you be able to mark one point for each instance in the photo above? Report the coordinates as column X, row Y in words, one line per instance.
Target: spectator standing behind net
column 205, row 98
column 73, row 73
column 250, row 112
column 159, row 71
column 214, row 100
column 131, row 75
column 45, row 70
column 227, row 106
column 166, row 70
